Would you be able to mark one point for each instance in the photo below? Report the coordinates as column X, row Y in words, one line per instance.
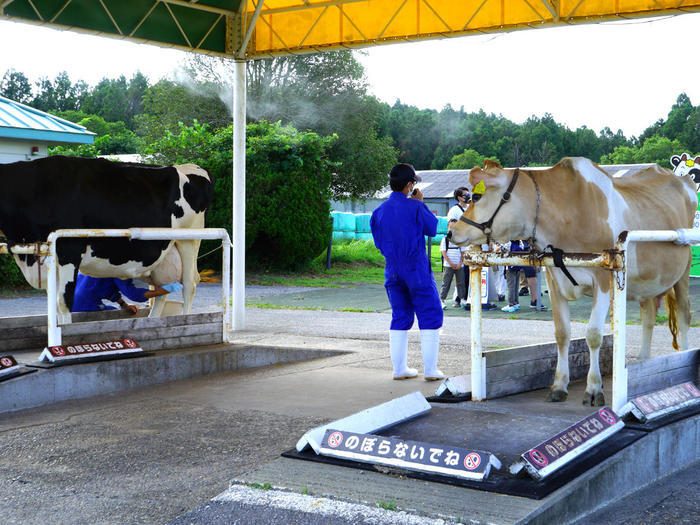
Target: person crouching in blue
column 398, row 227
column 91, row 291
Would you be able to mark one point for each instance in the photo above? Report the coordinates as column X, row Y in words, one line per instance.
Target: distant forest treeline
column 327, row 94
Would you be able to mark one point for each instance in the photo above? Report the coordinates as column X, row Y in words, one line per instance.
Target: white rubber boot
column 429, row 344
column 398, row 344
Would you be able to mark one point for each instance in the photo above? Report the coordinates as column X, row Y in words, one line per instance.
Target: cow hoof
column 594, row 400
column 556, row 396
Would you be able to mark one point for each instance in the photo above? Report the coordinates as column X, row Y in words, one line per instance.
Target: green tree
column 659, row 150
column 59, row 94
column 655, row 149
column 168, row 103
column 282, row 164
column 45, row 99
column 583, row 142
column 541, row 141
column 467, row 160
column 109, row 99
column 610, row 141
column 414, row 133
column 362, row 158
column 76, row 150
column 324, row 93
column 15, row 86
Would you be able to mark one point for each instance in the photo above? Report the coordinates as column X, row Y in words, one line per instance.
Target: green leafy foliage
column 654, row 149
column 387, row 505
column 76, row 150
column 467, row 160
column 167, row 103
column 10, row 274
column 16, row 86
column 287, row 187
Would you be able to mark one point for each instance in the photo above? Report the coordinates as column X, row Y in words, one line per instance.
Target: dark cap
column 404, row 173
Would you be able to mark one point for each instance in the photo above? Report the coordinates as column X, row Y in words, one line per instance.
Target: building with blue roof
column 26, row 133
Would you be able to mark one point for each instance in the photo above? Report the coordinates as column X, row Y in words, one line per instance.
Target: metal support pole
column 478, row 359
column 226, row 287
column 618, row 322
column 54, row 331
column 238, row 197
column 330, row 248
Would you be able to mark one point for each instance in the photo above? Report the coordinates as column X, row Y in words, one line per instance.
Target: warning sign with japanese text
column 70, row 352
column 566, row 445
column 410, row 455
column 662, row 402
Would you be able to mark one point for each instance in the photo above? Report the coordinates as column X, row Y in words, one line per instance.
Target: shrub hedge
column 287, row 188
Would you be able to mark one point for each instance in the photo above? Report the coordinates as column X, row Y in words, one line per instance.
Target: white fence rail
column 144, row 234
column 611, row 260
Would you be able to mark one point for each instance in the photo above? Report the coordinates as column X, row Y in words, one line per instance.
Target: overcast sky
column 625, row 75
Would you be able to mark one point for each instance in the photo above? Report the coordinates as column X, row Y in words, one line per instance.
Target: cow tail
column 672, row 309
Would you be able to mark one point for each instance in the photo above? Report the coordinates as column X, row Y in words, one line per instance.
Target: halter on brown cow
column 583, row 209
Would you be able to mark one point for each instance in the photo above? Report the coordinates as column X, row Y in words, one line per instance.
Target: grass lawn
column 351, row 262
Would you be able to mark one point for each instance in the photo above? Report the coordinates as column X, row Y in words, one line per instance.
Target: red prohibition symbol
column 130, row 343
column 6, row 361
column 607, row 417
column 335, row 439
column 538, row 458
column 690, row 387
column 57, row 350
column 472, row 461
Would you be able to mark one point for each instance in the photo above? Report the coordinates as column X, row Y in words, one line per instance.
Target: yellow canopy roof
column 301, row 25
column 257, row 28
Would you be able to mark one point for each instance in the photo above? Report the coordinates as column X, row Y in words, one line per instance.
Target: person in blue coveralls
column 399, row 226
column 91, row 291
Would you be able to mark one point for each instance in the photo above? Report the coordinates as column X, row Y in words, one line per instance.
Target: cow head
column 497, row 210
column 685, row 165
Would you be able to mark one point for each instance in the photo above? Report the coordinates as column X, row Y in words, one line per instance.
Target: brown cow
column 583, row 209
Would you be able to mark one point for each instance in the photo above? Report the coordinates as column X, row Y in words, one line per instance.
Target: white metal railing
column 144, row 234
column 611, row 260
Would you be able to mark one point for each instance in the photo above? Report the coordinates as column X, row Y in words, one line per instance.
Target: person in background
column 454, row 267
column 512, row 273
column 90, row 292
column 399, row 226
column 499, row 275
column 461, row 195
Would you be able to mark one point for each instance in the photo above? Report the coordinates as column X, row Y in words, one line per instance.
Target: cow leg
column 647, row 308
column 594, row 337
column 562, row 333
column 190, row 276
column 157, row 306
column 682, row 291
column 65, row 289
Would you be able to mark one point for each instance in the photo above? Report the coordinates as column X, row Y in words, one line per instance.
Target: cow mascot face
column 685, row 165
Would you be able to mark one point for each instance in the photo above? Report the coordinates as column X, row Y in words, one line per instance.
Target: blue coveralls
column 90, row 291
column 398, row 227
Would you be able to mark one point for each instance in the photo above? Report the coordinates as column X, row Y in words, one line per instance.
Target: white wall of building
column 13, row 150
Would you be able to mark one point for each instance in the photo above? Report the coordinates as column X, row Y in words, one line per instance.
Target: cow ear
column 684, row 157
column 481, row 179
column 675, row 161
column 697, row 160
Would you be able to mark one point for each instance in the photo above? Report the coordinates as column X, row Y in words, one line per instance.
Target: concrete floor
column 150, row 455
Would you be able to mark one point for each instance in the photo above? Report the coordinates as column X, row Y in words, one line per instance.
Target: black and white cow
column 40, row 196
